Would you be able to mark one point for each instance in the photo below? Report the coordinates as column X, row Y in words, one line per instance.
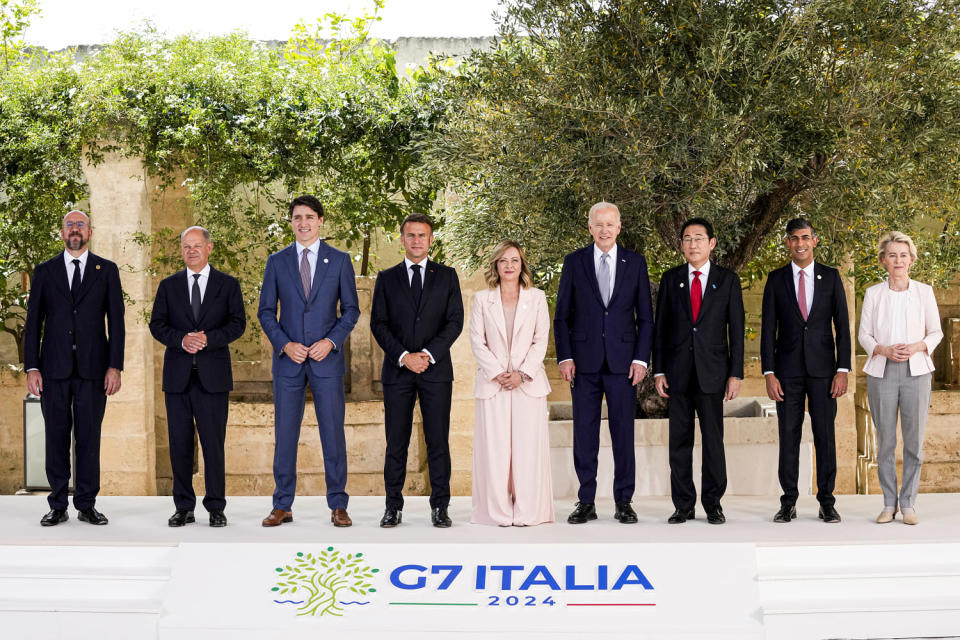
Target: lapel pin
column 818, row 277
column 97, row 267
column 681, row 285
column 714, row 286
column 326, row 260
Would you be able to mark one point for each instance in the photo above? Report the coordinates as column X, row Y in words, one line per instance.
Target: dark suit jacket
column 589, row 333
column 331, row 312
column 55, row 322
column 713, row 344
column 791, row 347
column 222, row 319
column 398, row 325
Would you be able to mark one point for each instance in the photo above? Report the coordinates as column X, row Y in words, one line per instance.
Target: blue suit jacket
column 331, row 312
column 587, row 331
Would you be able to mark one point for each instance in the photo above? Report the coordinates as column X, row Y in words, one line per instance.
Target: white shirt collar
column 409, row 263
column 68, row 259
column 807, row 269
column 315, row 248
column 598, row 252
column 204, row 273
column 704, row 270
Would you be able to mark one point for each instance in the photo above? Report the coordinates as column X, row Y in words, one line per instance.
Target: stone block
column 126, row 483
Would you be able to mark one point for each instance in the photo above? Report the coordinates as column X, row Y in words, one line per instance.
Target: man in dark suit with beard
column 697, row 362
column 197, row 313
column 803, row 305
column 72, row 364
column 603, row 329
column 416, row 316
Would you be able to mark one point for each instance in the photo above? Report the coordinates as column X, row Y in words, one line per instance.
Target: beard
column 75, row 242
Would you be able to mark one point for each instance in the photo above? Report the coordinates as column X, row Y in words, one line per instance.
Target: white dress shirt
column 423, row 278
column 312, row 261
column 201, row 281
column 68, row 261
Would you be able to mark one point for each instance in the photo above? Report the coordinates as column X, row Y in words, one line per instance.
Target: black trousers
column 74, row 407
column 823, row 411
column 587, row 393
column 398, row 400
column 709, row 408
column 208, row 411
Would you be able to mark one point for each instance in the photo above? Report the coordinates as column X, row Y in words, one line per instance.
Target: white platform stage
column 750, row 578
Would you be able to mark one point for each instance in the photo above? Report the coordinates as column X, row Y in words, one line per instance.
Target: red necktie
column 696, row 295
column 802, row 296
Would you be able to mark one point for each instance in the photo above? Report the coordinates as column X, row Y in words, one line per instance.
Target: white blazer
column 488, row 338
column 876, row 326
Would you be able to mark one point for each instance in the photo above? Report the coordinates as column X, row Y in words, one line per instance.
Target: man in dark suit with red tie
column 697, row 362
column 197, row 313
column 417, row 315
column 73, row 364
column 603, row 329
column 804, row 305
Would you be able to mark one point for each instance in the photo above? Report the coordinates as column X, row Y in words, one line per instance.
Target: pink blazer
column 923, row 323
column 488, row 338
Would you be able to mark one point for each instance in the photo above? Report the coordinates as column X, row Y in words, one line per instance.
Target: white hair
column 206, row 234
column 603, row 206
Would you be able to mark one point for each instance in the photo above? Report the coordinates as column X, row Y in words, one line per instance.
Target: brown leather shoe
column 339, row 518
column 277, row 517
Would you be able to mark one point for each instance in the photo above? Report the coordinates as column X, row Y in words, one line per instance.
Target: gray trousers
column 897, row 389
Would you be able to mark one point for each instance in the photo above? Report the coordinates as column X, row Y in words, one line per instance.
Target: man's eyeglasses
column 79, row 225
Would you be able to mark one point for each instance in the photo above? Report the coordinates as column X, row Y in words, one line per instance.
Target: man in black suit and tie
column 603, row 329
column 803, row 305
column 416, row 316
column 197, row 313
column 72, row 364
column 697, row 361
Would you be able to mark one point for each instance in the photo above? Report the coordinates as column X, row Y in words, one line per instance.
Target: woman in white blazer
column 899, row 329
column 509, row 329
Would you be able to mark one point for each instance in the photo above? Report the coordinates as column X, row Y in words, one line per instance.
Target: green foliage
column 319, row 578
column 14, row 19
column 747, row 113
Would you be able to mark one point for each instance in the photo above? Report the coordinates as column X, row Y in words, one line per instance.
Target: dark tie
column 696, row 295
column 416, row 284
column 305, row 279
column 195, row 297
column 75, row 280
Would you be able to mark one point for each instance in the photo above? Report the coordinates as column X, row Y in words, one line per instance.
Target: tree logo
column 319, row 582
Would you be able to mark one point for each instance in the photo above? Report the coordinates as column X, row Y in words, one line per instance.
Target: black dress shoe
column 92, row 516
column 625, row 513
column 180, row 517
column 54, row 517
column 682, row 515
column 715, row 515
column 829, row 514
column 391, row 518
column 218, row 519
column 582, row 512
column 786, row 514
column 440, row 518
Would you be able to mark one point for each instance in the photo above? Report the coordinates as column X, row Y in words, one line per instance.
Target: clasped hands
column 416, row 362
column 300, row 352
column 508, row 380
column 900, row 352
column 194, row 341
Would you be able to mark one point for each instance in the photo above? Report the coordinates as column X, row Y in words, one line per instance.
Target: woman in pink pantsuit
column 509, row 328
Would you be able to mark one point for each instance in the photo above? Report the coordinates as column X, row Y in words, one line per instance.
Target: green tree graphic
column 323, row 576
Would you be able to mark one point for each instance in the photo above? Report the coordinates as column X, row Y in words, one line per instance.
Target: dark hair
column 703, row 222
column 800, row 223
column 306, row 201
column 417, row 217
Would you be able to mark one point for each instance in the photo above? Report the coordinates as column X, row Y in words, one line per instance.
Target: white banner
column 305, row 590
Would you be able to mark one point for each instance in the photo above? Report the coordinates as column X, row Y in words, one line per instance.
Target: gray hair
column 64, row 218
column 895, row 236
column 206, row 234
column 603, row 206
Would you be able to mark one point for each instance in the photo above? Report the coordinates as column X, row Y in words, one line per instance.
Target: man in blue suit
column 314, row 286
column 603, row 328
